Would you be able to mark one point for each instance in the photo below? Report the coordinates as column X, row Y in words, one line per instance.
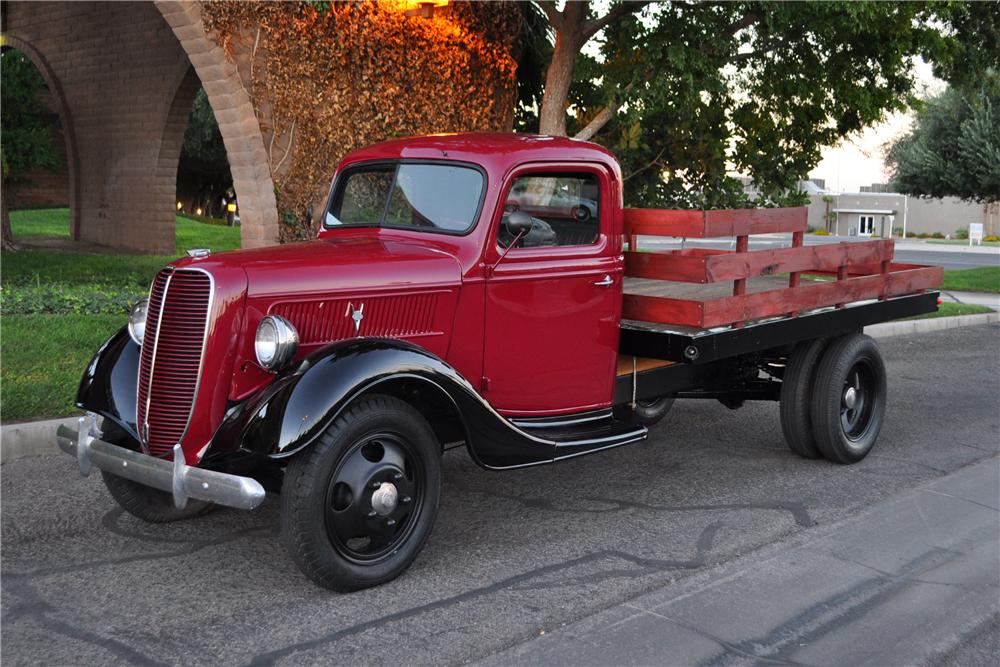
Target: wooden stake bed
column 862, row 270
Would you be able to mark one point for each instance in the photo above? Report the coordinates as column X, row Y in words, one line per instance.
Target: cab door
column 553, row 296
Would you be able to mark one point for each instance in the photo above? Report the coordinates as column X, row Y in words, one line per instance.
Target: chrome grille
column 169, row 365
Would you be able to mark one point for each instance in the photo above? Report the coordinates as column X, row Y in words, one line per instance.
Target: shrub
column 937, row 235
column 911, row 235
column 822, row 232
column 992, row 238
column 897, row 231
column 55, row 299
column 923, row 235
column 810, row 229
column 962, row 233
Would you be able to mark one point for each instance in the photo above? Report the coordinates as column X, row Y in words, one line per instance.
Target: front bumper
column 175, row 477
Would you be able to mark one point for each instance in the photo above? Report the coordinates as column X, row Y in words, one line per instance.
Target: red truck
column 487, row 290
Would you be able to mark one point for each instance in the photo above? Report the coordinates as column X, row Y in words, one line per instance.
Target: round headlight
column 276, row 342
column 137, row 320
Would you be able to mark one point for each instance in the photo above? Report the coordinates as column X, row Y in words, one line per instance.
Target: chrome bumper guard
column 175, row 477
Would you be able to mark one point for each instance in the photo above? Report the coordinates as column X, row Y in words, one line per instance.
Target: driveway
column 514, row 554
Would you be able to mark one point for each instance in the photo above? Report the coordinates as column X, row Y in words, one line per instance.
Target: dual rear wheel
column 833, row 398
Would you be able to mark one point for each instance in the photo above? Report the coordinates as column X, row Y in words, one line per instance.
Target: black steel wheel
column 358, row 506
column 796, row 397
column 849, row 399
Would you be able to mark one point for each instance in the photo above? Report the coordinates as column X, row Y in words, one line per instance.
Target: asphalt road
column 513, row 555
column 949, row 257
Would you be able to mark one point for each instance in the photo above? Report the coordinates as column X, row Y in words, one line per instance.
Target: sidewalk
column 972, row 298
column 904, row 581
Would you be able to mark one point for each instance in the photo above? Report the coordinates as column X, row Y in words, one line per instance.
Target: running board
column 582, row 434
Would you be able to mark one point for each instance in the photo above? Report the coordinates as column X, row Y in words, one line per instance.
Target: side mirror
column 518, row 223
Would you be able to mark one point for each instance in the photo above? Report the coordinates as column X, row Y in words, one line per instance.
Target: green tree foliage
column 953, row 148
column 685, row 92
column 204, row 166
column 25, row 128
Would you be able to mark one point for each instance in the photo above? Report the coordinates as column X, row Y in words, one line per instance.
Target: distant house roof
column 870, row 211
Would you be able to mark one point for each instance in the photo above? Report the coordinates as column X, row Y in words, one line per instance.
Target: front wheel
column 358, row 506
column 849, row 399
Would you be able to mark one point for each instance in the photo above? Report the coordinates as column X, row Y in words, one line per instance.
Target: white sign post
column 976, row 233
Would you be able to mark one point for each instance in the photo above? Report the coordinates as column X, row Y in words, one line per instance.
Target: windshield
column 427, row 197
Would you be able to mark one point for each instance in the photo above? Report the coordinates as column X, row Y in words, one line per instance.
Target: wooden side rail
column 863, row 270
column 898, row 280
column 712, row 224
column 705, row 265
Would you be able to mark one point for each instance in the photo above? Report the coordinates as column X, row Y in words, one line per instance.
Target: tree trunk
column 559, row 76
column 8, row 234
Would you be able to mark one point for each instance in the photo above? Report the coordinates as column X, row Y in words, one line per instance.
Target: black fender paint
column 108, row 385
column 297, row 408
column 293, row 410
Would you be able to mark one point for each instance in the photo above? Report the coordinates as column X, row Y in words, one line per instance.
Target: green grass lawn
column 984, row 279
column 58, row 306
column 43, row 359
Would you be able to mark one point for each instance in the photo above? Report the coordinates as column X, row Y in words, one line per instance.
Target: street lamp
column 422, row 8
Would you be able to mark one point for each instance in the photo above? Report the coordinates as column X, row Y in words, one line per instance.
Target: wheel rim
column 374, row 498
column 858, row 399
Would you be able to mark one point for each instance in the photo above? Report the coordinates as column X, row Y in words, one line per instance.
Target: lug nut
column 372, row 514
column 405, row 500
column 390, row 522
column 376, row 485
column 397, row 477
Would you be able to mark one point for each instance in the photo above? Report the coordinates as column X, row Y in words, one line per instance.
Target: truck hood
column 337, row 265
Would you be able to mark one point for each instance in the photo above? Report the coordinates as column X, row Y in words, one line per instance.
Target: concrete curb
column 32, row 438
column 901, row 328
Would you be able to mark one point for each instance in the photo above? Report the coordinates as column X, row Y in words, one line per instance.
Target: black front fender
column 297, row 408
column 108, row 386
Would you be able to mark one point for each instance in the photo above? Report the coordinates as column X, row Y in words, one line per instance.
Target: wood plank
column 641, row 364
column 719, row 312
column 662, row 309
column 717, row 223
column 707, row 266
column 901, row 279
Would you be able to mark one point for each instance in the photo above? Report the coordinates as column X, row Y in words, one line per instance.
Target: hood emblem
column 357, row 314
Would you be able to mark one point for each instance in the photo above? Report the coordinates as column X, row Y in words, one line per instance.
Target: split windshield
column 423, row 197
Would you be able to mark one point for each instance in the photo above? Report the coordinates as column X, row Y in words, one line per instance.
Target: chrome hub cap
column 384, row 499
column 850, row 398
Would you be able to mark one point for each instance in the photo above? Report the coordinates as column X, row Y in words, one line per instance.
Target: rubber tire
column 148, row 504
column 834, row 366
column 647, row 415
column 796, row 397
column 304, row 491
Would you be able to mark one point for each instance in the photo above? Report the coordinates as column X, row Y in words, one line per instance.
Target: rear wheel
column 849, row 399
column 357, row 508
column 796, row 397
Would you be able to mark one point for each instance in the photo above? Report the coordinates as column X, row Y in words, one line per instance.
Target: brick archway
column 65, row 120
column 234, row 111
column 124, row 75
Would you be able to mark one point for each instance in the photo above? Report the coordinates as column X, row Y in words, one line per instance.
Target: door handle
column 605, row 282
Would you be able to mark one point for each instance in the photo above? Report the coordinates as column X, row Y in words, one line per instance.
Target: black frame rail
column 702, row 347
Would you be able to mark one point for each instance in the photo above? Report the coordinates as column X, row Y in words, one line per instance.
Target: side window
column 564, row 210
